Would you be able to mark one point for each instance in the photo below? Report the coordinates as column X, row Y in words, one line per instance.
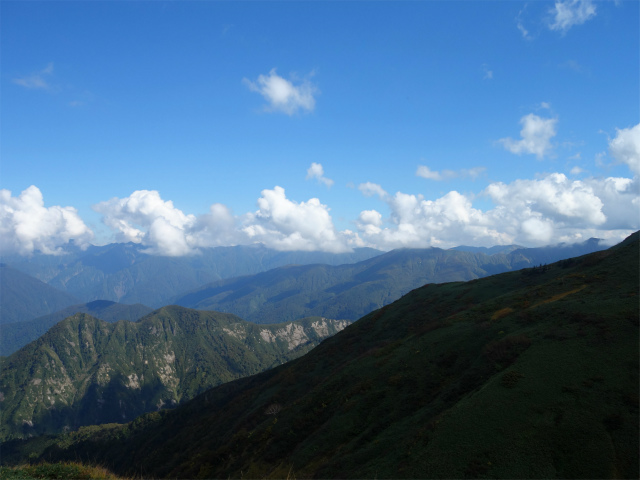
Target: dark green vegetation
column 124, row 273
column 351, row 291
column 23, row 297
column 56, row 471
column 528, row 374
column 85, row 371
column 17, row 335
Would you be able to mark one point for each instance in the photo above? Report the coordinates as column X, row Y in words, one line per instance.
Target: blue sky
column 318, row 125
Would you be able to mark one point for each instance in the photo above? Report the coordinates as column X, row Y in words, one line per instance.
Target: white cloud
column 425, row 172
column 621, row 201
column 568, row 13
column 625, row 147
column 36, row 80
column 554, row 197
column 26, row 225
column 548, row 210
column 536, row 136
column 576, row 170
column 143, row 217
column 284, row 224
column 282, row 95
column 316, row 171
column 369, row 222
column 369, row 189
column 525, row 33
column 216, row 228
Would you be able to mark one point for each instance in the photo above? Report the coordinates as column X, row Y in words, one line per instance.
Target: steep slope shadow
column 529, row 374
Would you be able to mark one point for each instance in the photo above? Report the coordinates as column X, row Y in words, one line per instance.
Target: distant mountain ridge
column 353, row 290
column 16, row 335
column 24, row 297
column 122, row 273
column 85, row 371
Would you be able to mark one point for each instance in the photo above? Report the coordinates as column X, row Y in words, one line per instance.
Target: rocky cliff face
column 85, row 371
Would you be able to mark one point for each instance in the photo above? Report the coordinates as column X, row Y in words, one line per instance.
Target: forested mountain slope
column 86, row 371
column 527, row 374
column 353, row 290
column 17, row 335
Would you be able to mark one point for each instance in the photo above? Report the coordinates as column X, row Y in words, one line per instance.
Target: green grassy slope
column 528, row 374
column 16, row 335
column 86, row 371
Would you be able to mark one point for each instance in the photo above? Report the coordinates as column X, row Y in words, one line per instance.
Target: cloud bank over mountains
column 548, row 209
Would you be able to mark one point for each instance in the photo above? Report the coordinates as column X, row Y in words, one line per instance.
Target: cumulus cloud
column 425, row 172
column 621, row 201
column 554, row 197
column 282, row 95
column 625, row 147
column 547, row 210
column 536, row 136
column 316, row 171
column 26, row 225
column 143, row 217
column 568, row 13
column 37, row 80
column 284, row 224
column 216, row 228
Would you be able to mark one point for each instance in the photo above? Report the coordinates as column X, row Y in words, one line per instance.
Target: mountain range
column 86, row 371
column 352, row 290
column 525, row 374
column 124, row 273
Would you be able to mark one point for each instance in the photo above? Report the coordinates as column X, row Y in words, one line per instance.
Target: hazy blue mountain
column 123, row 273
column 526, row 257
column 488, row 250
column 353, row 290
column 16, row 335
column 23, row 297
column 526, row 374
column 85, row 371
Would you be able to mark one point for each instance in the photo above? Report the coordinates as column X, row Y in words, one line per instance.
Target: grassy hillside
column 85, row 371
column 528, row 374
column 17, row 335
column 23, row 297
column 351, row 291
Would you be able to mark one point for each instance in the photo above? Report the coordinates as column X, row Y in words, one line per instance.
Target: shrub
column 506, row 350
column 510, row 379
